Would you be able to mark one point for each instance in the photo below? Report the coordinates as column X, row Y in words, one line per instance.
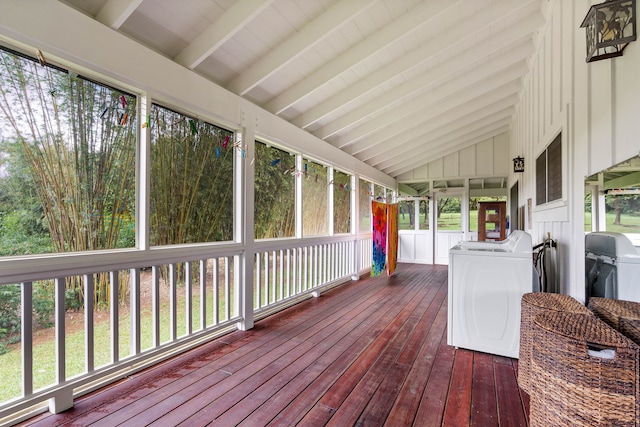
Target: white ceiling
column 395, row 83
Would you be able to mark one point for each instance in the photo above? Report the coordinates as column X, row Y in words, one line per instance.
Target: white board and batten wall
column 596, row 108
column 487, row 159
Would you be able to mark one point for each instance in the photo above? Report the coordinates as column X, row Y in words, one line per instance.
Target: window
column 423, row 215
column 413, row 214
column 549, row 173
column 68, row 146
column 315, row 199
column 379, row 194
column 449, row 213
column 275, row 192
column 191, row 180
column 406, row 215
column 588, row 213
column 364, row 198
column 341, row 202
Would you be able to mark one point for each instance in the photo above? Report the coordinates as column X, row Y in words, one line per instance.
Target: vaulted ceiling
column 395, row 83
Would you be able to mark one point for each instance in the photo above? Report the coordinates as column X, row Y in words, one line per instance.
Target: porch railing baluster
column 27, row 338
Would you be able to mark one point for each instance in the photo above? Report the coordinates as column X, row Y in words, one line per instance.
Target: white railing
column 366, row 252
column 154, row 310
column 160, row 303
column 286, row 272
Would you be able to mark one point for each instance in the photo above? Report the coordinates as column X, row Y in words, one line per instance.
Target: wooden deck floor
column 369, row 353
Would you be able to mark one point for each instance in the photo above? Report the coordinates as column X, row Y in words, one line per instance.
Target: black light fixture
column 610, row 27
column 518, row 164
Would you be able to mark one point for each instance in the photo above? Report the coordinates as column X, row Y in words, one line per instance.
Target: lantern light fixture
column 610, row 26
column 518, row 164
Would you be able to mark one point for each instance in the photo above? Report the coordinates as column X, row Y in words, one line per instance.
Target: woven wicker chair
column 623, row 316
column 531, row 305
column 571, row 386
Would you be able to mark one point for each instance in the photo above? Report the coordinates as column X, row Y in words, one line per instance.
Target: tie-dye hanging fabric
column 392, row 237
column 379, row 211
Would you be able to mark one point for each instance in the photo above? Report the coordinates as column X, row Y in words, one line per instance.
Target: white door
column 415, row 239
column 449, row 224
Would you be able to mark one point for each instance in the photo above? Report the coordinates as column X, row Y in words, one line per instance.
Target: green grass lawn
column 44, row 351
column 628, row 223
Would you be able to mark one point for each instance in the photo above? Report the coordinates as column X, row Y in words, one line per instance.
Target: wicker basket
column 621, row 315
column 571, row 387
column 532, row 304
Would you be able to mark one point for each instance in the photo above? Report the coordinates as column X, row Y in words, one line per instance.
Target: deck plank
column 483, row 392
column 458, row 409
column 407, row 403
column 436, row 393
column 370, row 352
column 510, row 405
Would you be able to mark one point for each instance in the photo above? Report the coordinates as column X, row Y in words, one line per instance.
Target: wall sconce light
column 610, row 27
column 518, row 164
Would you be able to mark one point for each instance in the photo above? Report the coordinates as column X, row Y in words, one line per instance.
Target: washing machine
column 486, row 283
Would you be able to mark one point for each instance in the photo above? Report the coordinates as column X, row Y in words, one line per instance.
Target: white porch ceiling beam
column 464, row 138
column 114, row 13
column 516, row 46
column 305, row 39
column 424, row 108
column 225, row 27
column 437, row 126
column 377, row 41
column 489, row 132
column 401, row 65
column 430, row 134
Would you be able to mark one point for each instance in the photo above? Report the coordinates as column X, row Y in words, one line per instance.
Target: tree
column 191, row 180
column 78, row 142
column 274, row 196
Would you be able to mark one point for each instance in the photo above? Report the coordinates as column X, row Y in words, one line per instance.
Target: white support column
column 143, row 173
column 354, row 187
column 299, row 177
column 330, row 192
column 244, row 223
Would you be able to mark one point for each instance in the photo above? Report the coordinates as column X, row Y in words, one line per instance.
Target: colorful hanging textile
column 392, row 237
column 379, row 211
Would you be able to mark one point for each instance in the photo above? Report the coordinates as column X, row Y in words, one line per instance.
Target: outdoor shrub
column 9, row 310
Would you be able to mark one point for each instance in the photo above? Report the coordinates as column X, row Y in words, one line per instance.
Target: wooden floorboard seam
column 367, row 353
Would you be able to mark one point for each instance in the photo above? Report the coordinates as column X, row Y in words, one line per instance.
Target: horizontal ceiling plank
column 316, row 31
column 114, row 13
column 407, row 62
column 226, row 26
column 430, row 153
column 431, row 105
column 515, row 46
column 393, row 151
column 440, row 126
column 430, row 146
column 379, row 40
